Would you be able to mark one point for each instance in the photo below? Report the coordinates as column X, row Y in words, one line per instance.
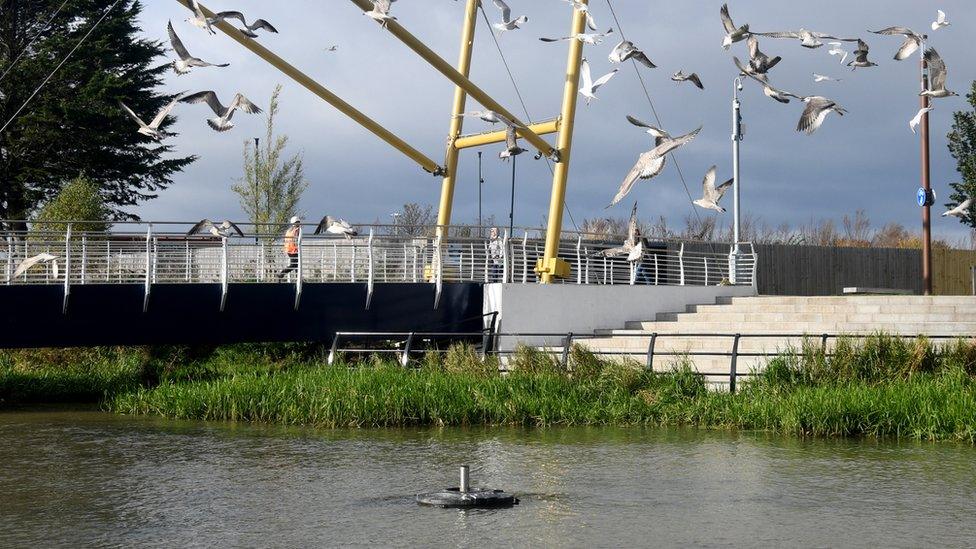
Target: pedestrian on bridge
column 291, row 246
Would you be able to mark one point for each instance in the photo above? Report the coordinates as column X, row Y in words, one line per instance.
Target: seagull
column 658, row 134
column 912, row 42
column 186, row 62
column 861, row 57
column 940, row 22
column 961, row 211
column 937, row 76
column 221, row 122
column 808, row 39
column 491, row 117
column 733, row 34
column 627, row 50
column 821, row 78
column 511, row 145
column 258, row 24
column 759, row 61
column 332, row 48
column 589, row 87
column 200, row 20
column 816, row 112
column 633, row 247
column 593, row 39
column 152, row 130
column 381, row 12
column 768, row 89
column 226, row 229
column 651, row 163
column 332, row 225
column 712, row 194
column 30, row 262
column 508, row 23
column 584, row 9
column 693, row 78
column 914, row 122
column 836, row 49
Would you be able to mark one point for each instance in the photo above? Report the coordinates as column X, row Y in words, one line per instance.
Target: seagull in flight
column 589, row 87
column 152, row 130
column 186, row 62
column 693, row 78
column 941, row 22
column 937, row 76
column 511, row 145
column 658, row 134
column 30, row 262
column 914, row 122
column 381, row 12
column 201, row 21
column 836, row 49
column 816, row 112
column 711, row 195
column 961, row 211
column 331, row 225
column 733, row 34
column 861, row 57
column 258, row 24
column 651, row 163
column 221, row 122
column 225, row 229
column 332, row 48
column 491, row 117
column 591, row 39
column 768, row 89
column 584, row 9
column 633, row 247
column 759, row 61
column 913, row 41
column 808, row 39
column 508, row 23
column 627, row 50
column 822, row 78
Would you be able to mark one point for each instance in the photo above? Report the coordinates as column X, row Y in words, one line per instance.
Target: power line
column 518, row 93
column 61, row 64
column 657, row 118
column 32, row 40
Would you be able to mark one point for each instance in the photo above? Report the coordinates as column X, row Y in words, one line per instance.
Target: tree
column 416, row 220
column 79, row 200
column 271, row 188
column 962, row 145
column 74, row 126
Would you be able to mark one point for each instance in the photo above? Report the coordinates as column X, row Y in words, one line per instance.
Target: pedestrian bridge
column 152, row 283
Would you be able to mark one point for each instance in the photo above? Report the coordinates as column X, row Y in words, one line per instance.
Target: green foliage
column 74, row 125
column 962, row 146
column 272, row 186
column 79, row 200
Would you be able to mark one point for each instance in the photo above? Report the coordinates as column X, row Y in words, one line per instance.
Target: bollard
column 465, row 480
column 735, row 360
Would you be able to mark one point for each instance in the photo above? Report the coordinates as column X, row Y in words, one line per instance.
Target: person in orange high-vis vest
column 291, row 246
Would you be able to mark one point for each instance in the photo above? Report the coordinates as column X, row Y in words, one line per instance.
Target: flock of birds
column 648, row 165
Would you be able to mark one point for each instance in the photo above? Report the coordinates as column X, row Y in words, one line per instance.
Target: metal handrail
column 567, row 340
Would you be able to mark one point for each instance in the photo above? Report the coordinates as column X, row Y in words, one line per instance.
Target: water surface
column 89, row 478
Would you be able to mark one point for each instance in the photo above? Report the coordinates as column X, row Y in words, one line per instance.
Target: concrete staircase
column 775, row 318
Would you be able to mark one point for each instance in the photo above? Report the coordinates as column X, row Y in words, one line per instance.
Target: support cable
column 32, row 40
column 518, row 93
column 61, row 64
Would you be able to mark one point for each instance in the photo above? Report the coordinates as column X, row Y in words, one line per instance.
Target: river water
column 94, row 479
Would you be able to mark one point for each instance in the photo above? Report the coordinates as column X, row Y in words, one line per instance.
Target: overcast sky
column 868, row 160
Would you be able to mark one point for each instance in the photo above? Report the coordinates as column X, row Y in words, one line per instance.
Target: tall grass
column 879, row 387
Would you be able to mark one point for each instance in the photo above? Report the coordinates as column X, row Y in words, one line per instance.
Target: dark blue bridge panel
column 112, row 314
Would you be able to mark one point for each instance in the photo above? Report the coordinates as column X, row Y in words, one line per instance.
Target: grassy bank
column 879, row 387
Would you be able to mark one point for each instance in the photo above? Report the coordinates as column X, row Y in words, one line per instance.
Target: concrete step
column 816, row 317
column 787, row 327
column 869, row 300
column 863, row 308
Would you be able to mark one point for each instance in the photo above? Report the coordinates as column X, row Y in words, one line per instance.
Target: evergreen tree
column 271, row 187
column 79, row 200
column 74, row 126
column 962, row 145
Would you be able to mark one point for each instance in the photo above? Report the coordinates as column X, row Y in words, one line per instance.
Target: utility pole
column 736, row 139
column 926, row 185
column 257, row 230
column 481, row 182
column 511, row 209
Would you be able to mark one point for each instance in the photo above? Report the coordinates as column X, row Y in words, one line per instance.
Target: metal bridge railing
column 162, row 253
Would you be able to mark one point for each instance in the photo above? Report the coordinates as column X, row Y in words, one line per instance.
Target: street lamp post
column 481, row 182
column 736, row 140
column 926, row 183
